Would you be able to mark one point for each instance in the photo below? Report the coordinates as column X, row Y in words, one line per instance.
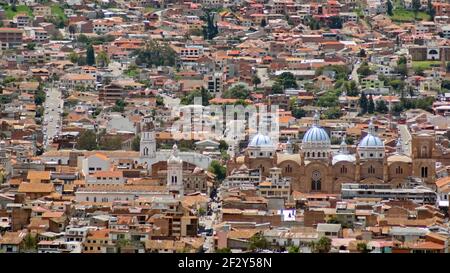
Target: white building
column 95, row 162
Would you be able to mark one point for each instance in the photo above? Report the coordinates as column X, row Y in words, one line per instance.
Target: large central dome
column 316, row 142
column 371, row 140
column 371, row 146
column 316, row 134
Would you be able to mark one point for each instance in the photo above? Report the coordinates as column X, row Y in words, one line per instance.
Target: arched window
column 288, row 169
column 424, row 172
column 316, row 183
column 424, row 152
column 313, row 154
column 343, row 169
column 371, row 170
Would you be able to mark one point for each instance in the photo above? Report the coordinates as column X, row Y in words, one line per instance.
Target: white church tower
column 148, row 138
column 175, row 173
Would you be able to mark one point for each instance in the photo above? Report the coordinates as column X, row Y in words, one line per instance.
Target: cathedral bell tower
column 175, row 173
column 148, row 138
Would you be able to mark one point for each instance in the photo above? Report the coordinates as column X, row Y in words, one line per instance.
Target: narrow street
column 52, row 114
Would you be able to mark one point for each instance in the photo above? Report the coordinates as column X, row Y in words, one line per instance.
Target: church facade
column 315, row 168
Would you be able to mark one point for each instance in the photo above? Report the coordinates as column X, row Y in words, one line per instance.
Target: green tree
column 73, row 57
column 30, row 243
column 363, row 103
column 31, row 46
column 335, row 22
column 136, row 143
column 258, row 241
column 277, row 88
column 238, row 91
column 119, row 106
column 416, row 5
column 293, row 249
column 364, row 70
column 397, row 109
column 333, row 220
column 39, row 97
column 362, row 247
column 159, row 101
column 87, row 141
column 286, row 80
column 110, row 143
column 362, row 53
column 351, row 87
column 323, row 245
column 263, row 23
column 202, row 93
column 210, row 30
column 371, row 105
column 102, row 59
column 156, row 54
column 90, row 55
column 381, row 107
column 390, row 8
column 223, row 145
column 431, row 10
column 218, row 170
column 256, row 81
column 402, row 67
column 329, row 99
column 223, row 250
column 332, row 113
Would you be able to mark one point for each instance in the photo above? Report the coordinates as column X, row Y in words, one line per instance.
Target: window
column 288, row 169
column 399, row 170
column 424, row 151
column 424, row 172
column 371, row 170
column 343, row 170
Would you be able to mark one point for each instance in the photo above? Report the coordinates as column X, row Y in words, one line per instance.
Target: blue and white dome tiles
column 260, row 140
column 371, row 146
column 316, row 134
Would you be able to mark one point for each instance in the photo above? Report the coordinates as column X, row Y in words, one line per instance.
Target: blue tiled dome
column 371, row 141
column 260, row 140
column 316, row 134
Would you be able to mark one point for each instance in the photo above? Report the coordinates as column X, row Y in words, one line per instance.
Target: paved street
column 208, row 222
column 355, row 75
column 52, row 114
column 263, row 75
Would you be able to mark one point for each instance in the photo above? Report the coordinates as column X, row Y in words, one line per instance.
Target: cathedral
column 316, row 168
